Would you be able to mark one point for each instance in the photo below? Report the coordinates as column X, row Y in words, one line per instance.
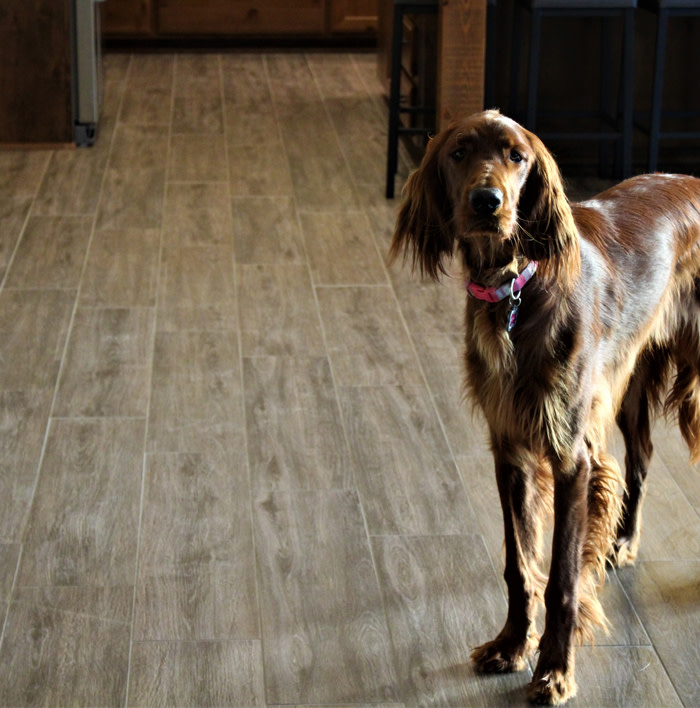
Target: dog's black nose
column 485, row 200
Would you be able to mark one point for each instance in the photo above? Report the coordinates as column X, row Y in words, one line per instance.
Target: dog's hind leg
column 684, row 396
column 521, row 501
column 634, row 423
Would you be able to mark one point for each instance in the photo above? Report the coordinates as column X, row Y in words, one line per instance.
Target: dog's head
column 491, row 189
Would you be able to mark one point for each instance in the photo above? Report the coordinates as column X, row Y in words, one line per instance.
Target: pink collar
column 497, row 294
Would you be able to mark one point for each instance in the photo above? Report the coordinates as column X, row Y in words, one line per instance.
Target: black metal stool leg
column 392, row 159
column 533, row 70
column 657, row 91
column 605, row 100
column 516, row 43
column 627, row 91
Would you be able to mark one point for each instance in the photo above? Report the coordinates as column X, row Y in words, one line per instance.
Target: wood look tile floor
column 235, row 467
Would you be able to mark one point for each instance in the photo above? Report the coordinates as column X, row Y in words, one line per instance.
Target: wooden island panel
column 35, row 72
column 461, row 57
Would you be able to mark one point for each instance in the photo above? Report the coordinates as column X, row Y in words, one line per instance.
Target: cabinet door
column 354, row 16
column 241, row 17
column 127, row 17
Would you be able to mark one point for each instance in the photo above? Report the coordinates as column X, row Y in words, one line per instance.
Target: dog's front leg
column 553, row 681
column 522, row 524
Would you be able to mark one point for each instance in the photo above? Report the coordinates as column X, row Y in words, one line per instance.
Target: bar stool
column 396, row 127
column 620, row 118
column 665, row 9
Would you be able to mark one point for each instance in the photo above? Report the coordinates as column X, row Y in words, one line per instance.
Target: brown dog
column 578, row 314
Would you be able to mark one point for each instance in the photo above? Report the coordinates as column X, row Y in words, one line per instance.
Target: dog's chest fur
column 522, row 380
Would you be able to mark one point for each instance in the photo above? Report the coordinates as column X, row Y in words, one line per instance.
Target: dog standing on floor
column 578, row 315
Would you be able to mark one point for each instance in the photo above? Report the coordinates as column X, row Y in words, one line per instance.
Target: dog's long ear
column 424, row 223
column 549, row 231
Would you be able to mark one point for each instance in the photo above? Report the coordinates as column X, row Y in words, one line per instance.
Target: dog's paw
column 552, row 688
column 502, row 656
column 625, row 551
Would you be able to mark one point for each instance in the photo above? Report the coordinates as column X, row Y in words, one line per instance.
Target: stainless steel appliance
column 87, row 70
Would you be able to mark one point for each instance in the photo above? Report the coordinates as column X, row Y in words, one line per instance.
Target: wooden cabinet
column 36, row 105
column 354, row 16
column 241, row 16
column 128, row 17
column 169, row 19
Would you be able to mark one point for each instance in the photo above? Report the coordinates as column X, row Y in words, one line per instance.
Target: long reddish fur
column 608, row 329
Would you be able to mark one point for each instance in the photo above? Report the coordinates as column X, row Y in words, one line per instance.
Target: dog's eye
column 458, row 155
column 515, row 156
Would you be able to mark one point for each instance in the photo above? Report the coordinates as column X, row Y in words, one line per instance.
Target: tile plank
column 320, row 181
column 192, row 69
column 253, row 126
column 9, row 560
column 623, row 676
column 196, row 560
column 197, row 214
column 152, row 69
column 278, row 312
column 295, row 434
column 147, row 105
column 132, row 198
column 107, row 364
column 341, row 249
column 21, row 171
column 200, row 110
column 66, row 646
column 266, row 231
column 33, row 329
column 673, row 452
column 196, row 276
column 324, row 633
column 665, row 595
column 83, row 525
column 202, row 674
column 121, row 269
column 259, row 170
column 244, row 80
column 13, row 214
column 196, row 388
column 355, row 115
column 366, row 339
column 442, row 599
column 405, row 474
column 197, row 158
column 139, row 147
column 72, row 183
column 24, row 416
column 290, row 79
column 670, row 524
column 51, row 253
